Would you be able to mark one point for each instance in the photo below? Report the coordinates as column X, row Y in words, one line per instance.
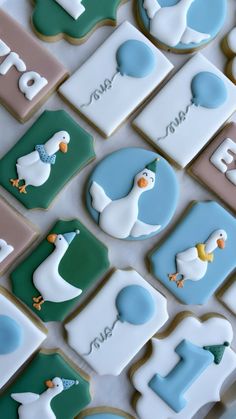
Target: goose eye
column 59, row 238
column 152, row 179
column 145, row 174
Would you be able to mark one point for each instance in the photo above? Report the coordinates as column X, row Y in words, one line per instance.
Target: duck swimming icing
column 35, row 168
column 38, row 406
column 192, row 264
column 119, row 218
column 169, row 24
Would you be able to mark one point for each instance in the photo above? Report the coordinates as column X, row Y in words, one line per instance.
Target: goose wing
column 188, row 255
column 28, row 159
column 151, row 7
column 191, row 36
column 99, row 198
column 142, row 229
column 25, row 398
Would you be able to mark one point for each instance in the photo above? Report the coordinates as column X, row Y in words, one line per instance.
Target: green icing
column 50, row 19
column 85, row 261
column 46, row 367
column 80, row 153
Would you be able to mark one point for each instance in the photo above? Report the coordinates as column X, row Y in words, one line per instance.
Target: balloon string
column 97, row 93
column 95, row 344
column 171, row 128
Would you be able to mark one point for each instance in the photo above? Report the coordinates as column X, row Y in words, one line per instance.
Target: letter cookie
column 192, row 359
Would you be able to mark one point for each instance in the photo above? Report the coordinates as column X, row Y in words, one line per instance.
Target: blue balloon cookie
column 182, row 25
column 132, row 194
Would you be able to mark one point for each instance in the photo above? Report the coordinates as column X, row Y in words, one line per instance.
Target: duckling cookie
column 73, row 20
column 132, row 194
column 28, row 73
column 16, row 235
column 186, row 368
column 199, row 254
column 117, row 322
column 104, row 413
column 61, row 268
column 20, row 336
column 51, row 152
column 216, row 165
column 188, row 111
column 50, row 387
column 122, row 72
column 182, row 26
column 227, row 295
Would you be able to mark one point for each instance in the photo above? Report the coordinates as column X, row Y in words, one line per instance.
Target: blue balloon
column 10, row 335
column 135, row 59
column 135, row 305
column 208, row 90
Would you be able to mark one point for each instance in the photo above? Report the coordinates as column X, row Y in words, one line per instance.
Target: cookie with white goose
column 198, row 255
column 50, row 387
column 64, row 265
column 132, row 194
column 44, row 160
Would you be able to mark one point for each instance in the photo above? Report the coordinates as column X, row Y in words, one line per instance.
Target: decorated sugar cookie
column 134, row 312
column 131, row 69
column 104, row 413
column 63, row 266
column 20, row 336
column 50, row 387
column 50, row 153
column 216, row 166
column 198, row 255
column 229, row 48
column 185, row 368
column 132, row 194
column 16, row 235
column 181, row 26
column 227, row 295
column 28, row 73
column 188, row 111
column 73, row 20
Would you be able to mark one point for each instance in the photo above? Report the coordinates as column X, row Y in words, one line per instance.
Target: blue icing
column 172, row 388
column 207, row 16
column 199, row 223
column 208, row 90
column 135, row 305
column 10, row 335
column 104, row 416
column 135, row 59
column 116, row 174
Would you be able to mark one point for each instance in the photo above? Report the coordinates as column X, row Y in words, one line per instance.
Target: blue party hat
column 69, row 383
column 70, row 236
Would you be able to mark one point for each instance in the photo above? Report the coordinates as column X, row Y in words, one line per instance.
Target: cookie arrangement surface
column 122, row 247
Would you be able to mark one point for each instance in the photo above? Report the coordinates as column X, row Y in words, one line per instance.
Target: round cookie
column 104, row 413
column 132, row 194
column 181, row 26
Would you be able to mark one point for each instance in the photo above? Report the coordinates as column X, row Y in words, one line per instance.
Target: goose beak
column 221, row 243
column 49, row 384
column 63, row 147
column 52, row 238
column 142, row 183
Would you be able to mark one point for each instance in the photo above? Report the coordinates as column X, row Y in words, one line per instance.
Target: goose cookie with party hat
column 128, row 68
column 181, row 26
column 185, row 367
column 48, row 155
column 50, row 387
column 73, row 20
column 132, row 194
column 62, row 267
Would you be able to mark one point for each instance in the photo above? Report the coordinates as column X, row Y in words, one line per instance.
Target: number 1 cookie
column 185, row 369
column 73, row 20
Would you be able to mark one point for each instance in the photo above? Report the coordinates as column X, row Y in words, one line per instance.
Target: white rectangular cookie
column 180, row 130
column 113, row 101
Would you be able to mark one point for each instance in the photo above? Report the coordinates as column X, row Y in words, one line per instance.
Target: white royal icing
column 4, row 49
column 206, row 388
column 32, row 339
column 231, row 40
column 223, row 156
column 113, row 347
column 191, row 132
column 118, row 102
column 169, row 24
column 5, row 250
column 73, row 7
column 229, row 297
column 31, row 83
column 12, row 60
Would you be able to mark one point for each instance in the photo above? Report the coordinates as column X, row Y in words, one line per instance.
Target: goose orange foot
column 172, row 277
column 38, row 306
column 15, row 182
column 22, row 189
column 180, row 284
